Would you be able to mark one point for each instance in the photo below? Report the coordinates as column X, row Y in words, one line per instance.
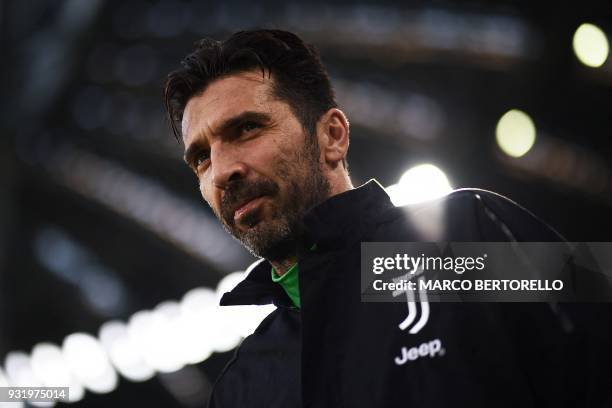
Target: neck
column 281, row 267
column 338, row 184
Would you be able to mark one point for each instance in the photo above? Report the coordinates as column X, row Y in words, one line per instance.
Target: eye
column 248, row 127
column 200, row 159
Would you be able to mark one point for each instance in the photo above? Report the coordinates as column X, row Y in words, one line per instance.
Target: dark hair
column 299, row 77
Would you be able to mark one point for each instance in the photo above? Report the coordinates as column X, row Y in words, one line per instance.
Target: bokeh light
column 49, row 365
column 123, row 352
column 89, row 363
column 19, row 371
column 4, row 382
column 420, row 183
column 515, row 133
column 199, row 322
column 591, row 45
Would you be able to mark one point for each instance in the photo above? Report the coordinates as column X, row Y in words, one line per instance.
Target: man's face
column 257, row 168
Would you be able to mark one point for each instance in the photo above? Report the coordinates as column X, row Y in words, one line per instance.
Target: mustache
column 242, row 191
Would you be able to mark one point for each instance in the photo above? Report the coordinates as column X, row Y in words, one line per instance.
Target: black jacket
column 339, row 352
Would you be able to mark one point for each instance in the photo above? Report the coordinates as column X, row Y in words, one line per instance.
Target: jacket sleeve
column 581, row 348
column 499, row 219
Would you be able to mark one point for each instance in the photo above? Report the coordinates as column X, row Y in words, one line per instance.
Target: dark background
column 100, row 218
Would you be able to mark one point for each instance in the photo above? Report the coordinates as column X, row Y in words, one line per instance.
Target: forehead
column 225, row 98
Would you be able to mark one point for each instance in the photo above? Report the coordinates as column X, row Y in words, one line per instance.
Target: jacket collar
column 334, row 224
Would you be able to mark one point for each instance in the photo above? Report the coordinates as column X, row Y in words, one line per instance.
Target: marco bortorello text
column 483, row 272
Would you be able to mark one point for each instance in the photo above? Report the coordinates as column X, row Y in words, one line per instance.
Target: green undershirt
column 290, row 282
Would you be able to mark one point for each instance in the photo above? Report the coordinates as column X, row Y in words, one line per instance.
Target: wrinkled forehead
column 225, row 98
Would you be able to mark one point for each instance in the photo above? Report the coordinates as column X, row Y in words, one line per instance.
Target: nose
column 227, row 165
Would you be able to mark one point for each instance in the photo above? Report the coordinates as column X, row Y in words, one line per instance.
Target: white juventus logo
column 429, row 349
column 412, row 307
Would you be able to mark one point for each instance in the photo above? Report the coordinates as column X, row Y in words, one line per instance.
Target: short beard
column 281, row 237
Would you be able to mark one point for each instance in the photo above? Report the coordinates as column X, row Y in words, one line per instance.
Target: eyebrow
column 224, row 128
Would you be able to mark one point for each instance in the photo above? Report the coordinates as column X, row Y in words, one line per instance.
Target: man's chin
column 246, row 232
column 264, row 239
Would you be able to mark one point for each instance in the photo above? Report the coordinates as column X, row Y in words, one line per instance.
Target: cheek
column 285, row 144
column 260, row 150
column 205, row 190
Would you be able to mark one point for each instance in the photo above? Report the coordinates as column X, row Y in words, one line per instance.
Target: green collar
column 290, row 282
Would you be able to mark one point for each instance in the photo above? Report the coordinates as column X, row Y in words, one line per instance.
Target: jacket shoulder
column 469, row 214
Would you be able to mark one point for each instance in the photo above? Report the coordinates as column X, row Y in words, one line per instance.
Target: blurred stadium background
column 110, row 262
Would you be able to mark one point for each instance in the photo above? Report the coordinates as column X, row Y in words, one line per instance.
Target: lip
column 246, row 206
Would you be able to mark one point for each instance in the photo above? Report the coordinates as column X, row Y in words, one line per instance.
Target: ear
column 333, row 136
